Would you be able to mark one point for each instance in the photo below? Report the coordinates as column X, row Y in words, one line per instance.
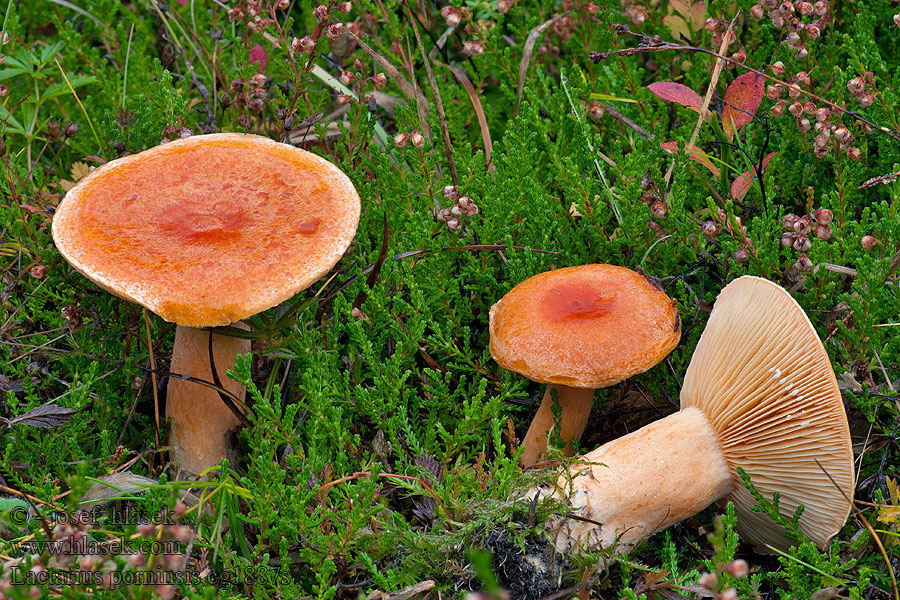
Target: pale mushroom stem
column 576, row 406
column 200, row 420
column 642, row 483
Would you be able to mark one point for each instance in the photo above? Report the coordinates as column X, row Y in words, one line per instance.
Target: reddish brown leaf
column 258, row 55
column 742, row 184
column 696, row 154
column 741, row 101
column 675, row 92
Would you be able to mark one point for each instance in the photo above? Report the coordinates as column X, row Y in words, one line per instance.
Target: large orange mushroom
column 206, row 231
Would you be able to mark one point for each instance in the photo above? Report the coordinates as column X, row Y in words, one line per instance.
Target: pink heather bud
column 789, row 220
column 802, row 226
column 235, row 14
column 473, row 48
column 451, row 193
column 146, row 530
column 345, row 7
column 823, row 216
column 812, row 31
column 868, row 242
column 821, row 8
column 709, row 229
column 822, row 114
column 805, row 9
column 803, row 124
column 259, row 80
column 856, row 85
column 444, row 215
column 796, row 109
column 821, row 140
column 592, row 8
column 400, row 139
column 452, row 16
column 803, row 264
column 283, row 4
column 379, row 80
column 347, row 77
column 711, row 25
column 454, row 224
column 843, row 134
column 741, row 256
column 773, row 92
column 792, row 39
column 636, row 14
column 802, row 243
column 307, row 44
column 821, row 152
column 708, row 580
column 854, row 154
column 757, row 11
column 778, row 21
column 343, row 99
column 335, row 30
column 802, row 52
column 659, row 210
column 866, row 100
column 417, row 139
column 802, row 78
column 777, row 110
column 320, row 12
column 739, row 568
column 786, row 8
column 823, row 232
column 794, row 91
column 596, row 112
column 778, row 69
column 787, row 238
column 456, row 210
column 897, row 19
column 809, row 107
column 503, row 7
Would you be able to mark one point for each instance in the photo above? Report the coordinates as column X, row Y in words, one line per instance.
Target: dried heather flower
column 868, row 242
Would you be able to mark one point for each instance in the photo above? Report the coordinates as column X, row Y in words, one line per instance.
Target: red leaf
column 675, row 92
column 258, row 55
column 696, row 154
column 742, row 185
column 744, row 94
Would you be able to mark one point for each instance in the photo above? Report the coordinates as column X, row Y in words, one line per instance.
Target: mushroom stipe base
column 642, row 483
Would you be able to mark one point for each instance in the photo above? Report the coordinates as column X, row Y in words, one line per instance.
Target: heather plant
column 489, row 140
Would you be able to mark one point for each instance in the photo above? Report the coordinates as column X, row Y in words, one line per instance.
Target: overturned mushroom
column 204, row 232
column 578, row 329
column 759, row 394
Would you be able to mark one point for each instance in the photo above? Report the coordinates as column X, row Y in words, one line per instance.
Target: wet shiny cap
column 590, row 326
column 210, row 229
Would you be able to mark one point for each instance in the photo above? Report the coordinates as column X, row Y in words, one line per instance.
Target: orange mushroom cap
column 589, row 326
column 210, row 229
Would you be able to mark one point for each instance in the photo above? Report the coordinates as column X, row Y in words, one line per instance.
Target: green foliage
column 380, row 451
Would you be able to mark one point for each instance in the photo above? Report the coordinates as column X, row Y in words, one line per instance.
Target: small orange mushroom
column 578, row 329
